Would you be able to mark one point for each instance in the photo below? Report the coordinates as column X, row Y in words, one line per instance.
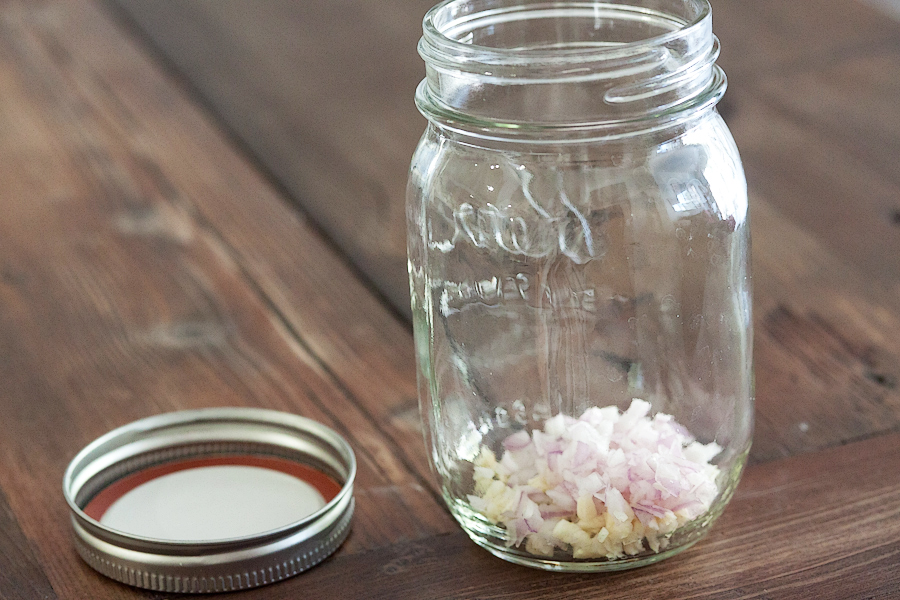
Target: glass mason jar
column 578, row 258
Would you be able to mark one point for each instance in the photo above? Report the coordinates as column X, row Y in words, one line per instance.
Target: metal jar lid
column 184, row 443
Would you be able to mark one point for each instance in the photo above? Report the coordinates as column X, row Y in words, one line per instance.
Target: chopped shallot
column 599, row 486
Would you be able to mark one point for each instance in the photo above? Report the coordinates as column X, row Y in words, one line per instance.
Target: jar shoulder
column 694, row 170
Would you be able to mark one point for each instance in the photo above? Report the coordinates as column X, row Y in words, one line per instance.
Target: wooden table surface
column 202, row 205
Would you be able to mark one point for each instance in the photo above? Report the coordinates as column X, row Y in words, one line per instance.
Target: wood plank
column 851, row 100
column 121, row 300
column 152, row 268
column 860, row 380
column 812, row 105
column 355, row 337
column 790, row 166
column 823, row 526
column 826, row 168
column 815, row 124
column 772, row 36
column 778, row 435
column 322, row 93
column 826, row 351
column 21, row 576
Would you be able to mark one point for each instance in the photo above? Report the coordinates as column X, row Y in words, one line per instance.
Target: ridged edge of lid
column 230, row 577
column 178, row 566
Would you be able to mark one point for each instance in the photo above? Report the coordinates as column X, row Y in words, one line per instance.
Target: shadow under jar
column 578, row 259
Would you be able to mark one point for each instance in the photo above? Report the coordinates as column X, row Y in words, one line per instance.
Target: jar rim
column 548, row 70
column 438, row 46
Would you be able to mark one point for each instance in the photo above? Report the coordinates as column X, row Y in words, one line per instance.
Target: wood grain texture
column 21, row 575
column 767, row 37
column 812, row 103
column 822, row 526
column 147, row 266
column 122, row 298
column 826, row 352
column 808, row 179
column 322, row 93
column 827, row 168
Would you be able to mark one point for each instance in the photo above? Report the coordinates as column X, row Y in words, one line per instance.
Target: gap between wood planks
column 58, row 83
column 124, row 20
column 292, row 331
column 781, row 437
column 820, row 526
column 127, row 23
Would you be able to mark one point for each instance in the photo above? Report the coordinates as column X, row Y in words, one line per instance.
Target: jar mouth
column 513, row 65
column 465, row 32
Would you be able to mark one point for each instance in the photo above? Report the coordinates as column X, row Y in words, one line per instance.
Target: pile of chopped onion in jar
column 599, row 486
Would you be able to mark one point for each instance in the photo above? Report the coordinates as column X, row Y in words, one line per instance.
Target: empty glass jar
column 578, row 259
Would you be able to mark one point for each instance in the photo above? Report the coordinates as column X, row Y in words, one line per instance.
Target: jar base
column 575, row 566
column 492, row 538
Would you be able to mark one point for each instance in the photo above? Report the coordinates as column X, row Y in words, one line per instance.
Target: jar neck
column 574, row 70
